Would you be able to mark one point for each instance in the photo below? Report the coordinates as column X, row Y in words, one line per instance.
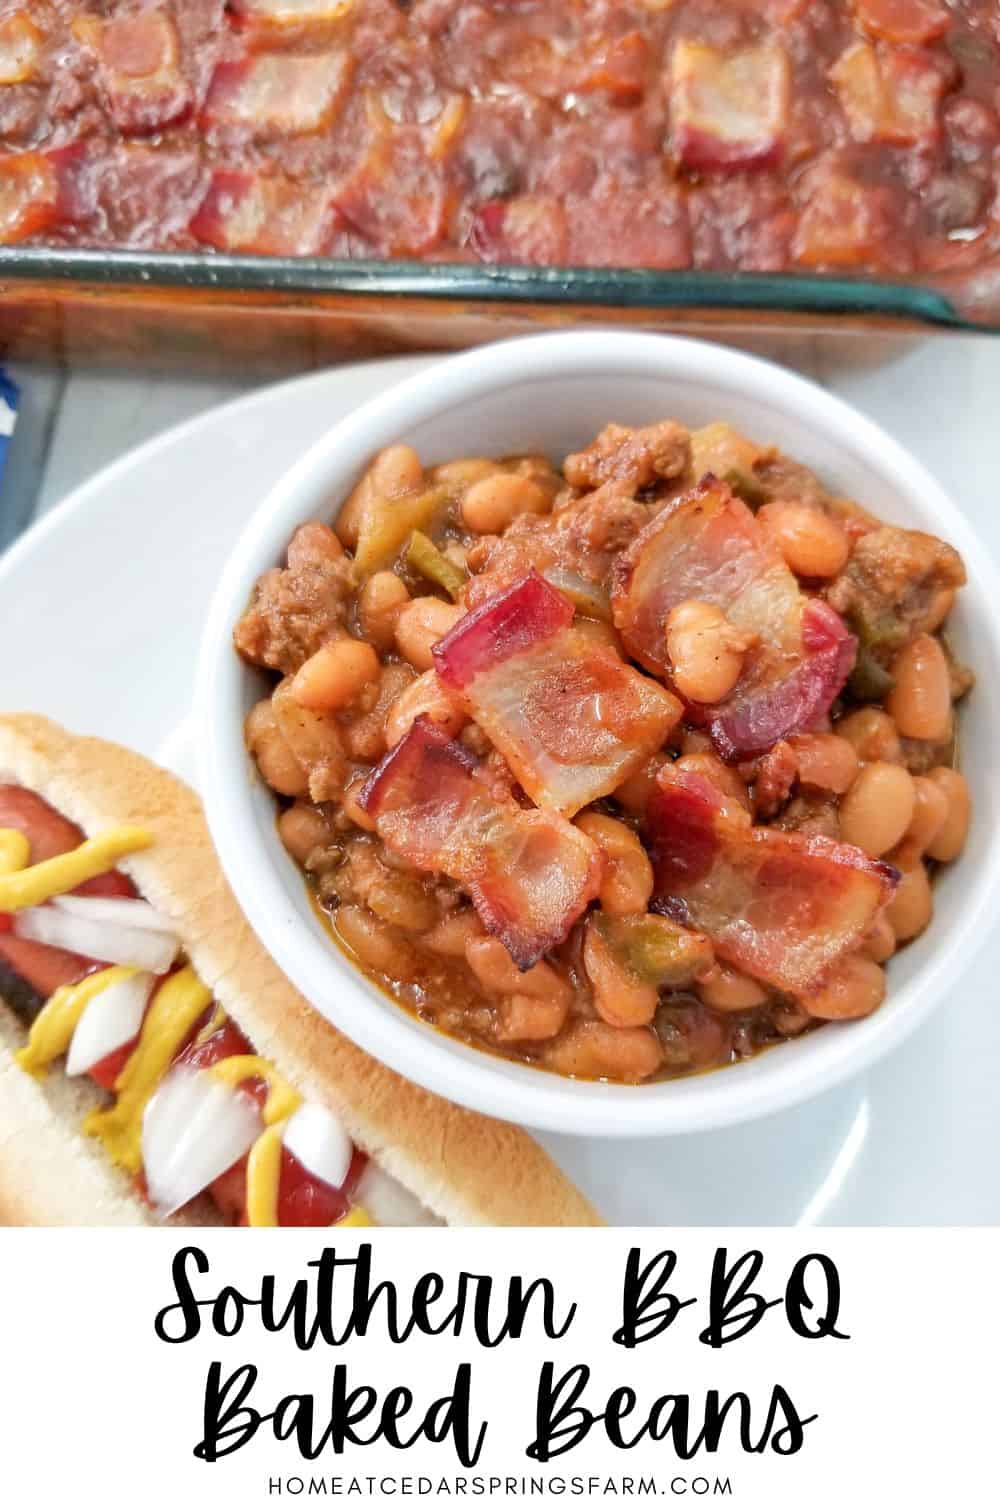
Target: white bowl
column 552, row 394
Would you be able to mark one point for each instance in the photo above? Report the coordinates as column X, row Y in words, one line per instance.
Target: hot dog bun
column 465, row 1168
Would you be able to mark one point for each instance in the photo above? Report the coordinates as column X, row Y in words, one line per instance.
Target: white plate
column 104, row 603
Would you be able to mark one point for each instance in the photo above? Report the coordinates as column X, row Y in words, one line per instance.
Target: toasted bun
column 465, row 1168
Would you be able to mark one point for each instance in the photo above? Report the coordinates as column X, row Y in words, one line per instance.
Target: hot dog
column 157, row 1067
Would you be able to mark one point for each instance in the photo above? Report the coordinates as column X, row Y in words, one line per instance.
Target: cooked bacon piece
column 396, row 196
column 617, row 226
column 264, row 215
column 527, row 614
column 21, row 46
column 29, row 196
column 139, row 68
column 266, row 18
column 529, row 873
column 707, row 545
column 289, row 12
column 777, row 701
column 616, row 65
column 704, row 545
column 904, row 20
column 845, row 222
column 780, row 906
column 278, row 93
column 728, row 110
column 889, row 94
column 530, row 230
column 569, row 716
column 144, row 195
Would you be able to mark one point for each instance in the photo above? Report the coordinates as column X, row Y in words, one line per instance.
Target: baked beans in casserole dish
column 840, row 137
column 625, row 768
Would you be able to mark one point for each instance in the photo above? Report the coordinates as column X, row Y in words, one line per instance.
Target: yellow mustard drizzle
column 52, row 1029
column 33, row 884
column 15, row 851
column 264, row 1181
column 264, row 1160
column 264, row 1178
column 175, row 1008
column 282, row 1099
column 358, row 1218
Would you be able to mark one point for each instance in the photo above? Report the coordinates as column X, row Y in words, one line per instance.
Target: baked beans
column 920, row 700
column 626, row 993
column 706, row 651
column 813, row 544
column 949, row 841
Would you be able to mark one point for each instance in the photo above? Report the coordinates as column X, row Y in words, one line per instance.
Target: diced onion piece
column 316, row 1138
column 105, row 941
column 123, row 911
column 194, row 1129
column 391, row 1205
column 111, row 1019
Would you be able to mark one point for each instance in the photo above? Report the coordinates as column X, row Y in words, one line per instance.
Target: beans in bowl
column 625, row 769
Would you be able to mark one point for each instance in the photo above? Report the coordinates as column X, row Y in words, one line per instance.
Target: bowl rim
column 775, row 1080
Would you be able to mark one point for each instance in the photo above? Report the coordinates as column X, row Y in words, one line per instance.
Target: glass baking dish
column 204, row 311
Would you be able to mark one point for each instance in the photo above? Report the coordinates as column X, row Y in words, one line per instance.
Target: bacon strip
column 755, row 719
column 397, row 194
column 890, row 94
column 569, row 716
column 903, row 20
column 21, row 48
column 707, row 545
column 278, row 93
column 29, row 196
column 268, row 18
column 529, row 873
column 140, row 72
column 728, row 110
column 505, row 625
column 844, row 221
column 264, row 215
column 780, row 906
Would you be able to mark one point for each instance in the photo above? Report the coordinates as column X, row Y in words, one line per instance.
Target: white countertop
column 939, row 395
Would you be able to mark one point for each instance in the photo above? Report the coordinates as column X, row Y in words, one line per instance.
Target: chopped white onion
column 194, row 1129
column 110, row 1020
column 106, row 941
column 122, row 911
column 316, row 1138
column 390, row 1204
